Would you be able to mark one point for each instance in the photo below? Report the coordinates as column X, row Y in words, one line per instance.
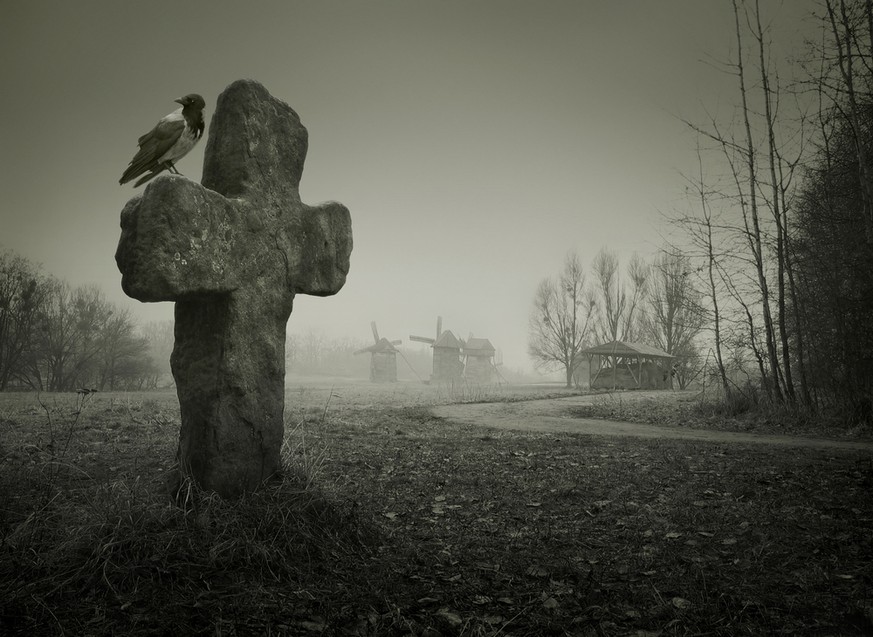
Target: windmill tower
column 447, row 365
column 383, row 358
column 478, row 361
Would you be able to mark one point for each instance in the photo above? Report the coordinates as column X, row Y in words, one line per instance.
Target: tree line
column 776, row 239
column 785, row 239
column 656, row 303
column 55, row 337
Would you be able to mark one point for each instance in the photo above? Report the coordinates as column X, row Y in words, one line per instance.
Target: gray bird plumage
column 170, row 140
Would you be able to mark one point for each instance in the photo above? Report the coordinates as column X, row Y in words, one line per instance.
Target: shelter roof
column 621, row 348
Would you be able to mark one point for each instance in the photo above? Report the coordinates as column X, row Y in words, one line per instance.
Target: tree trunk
column 776, row 208
column 799, row 335
column 756, row 244
column 713, row 291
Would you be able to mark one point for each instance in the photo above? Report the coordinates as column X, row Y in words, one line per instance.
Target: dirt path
column 554, row 416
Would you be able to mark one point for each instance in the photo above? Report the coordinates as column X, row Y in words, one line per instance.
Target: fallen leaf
column 453, row 619
column 390, row 515
column 551, row 603
column 681, row 603
column 672, row 535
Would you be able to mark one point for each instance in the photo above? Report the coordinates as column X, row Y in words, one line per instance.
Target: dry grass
column 391, row 522
column 743, row 412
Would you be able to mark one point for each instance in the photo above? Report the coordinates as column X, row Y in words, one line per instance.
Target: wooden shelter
column 621, row 365
column 447, row 365
column 478, row 360
column 383, row 358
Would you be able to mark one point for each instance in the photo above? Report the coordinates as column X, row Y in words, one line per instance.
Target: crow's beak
column 181, row 101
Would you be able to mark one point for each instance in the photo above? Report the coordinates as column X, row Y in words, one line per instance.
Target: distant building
column 478, row 361
column 621, row 365
column 383, row 358
column 447, row 365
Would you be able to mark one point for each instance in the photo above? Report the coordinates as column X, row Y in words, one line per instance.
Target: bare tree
column 293, row 348
column 312, row 350
column 20, row 298
column 124, row 356
column 762, row 179
column 675, row 316
column 782, row 170
column 704, row 245
column 612, row 298
column 161, row 339
column 71, row 324
column 560, row 321
column 639, row 274
column 713, row 270
column 618, row 316
column 748, row 199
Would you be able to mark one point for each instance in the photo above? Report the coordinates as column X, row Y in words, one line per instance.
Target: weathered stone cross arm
column 183, row 240
column 233, row 253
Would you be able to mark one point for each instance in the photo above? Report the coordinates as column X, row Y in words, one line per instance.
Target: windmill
column 478, row 360
column 383, row 358
column 447, row 365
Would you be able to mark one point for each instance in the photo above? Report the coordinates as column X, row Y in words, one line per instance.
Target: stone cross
column 232, row 254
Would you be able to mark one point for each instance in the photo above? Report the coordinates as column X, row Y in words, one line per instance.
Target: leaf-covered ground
column 390, row 521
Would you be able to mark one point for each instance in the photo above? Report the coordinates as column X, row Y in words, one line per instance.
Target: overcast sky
column 474, row 142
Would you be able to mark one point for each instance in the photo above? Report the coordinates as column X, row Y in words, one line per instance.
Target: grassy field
column 389, row 521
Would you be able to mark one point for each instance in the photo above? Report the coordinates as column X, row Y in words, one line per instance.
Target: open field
column 391, row 521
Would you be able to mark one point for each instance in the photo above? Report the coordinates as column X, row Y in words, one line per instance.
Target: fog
column 475, row 144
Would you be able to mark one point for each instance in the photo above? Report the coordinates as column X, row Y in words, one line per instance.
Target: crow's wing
column 154, row 144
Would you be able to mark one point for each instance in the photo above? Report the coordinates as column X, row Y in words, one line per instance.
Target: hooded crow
column 168, row 141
